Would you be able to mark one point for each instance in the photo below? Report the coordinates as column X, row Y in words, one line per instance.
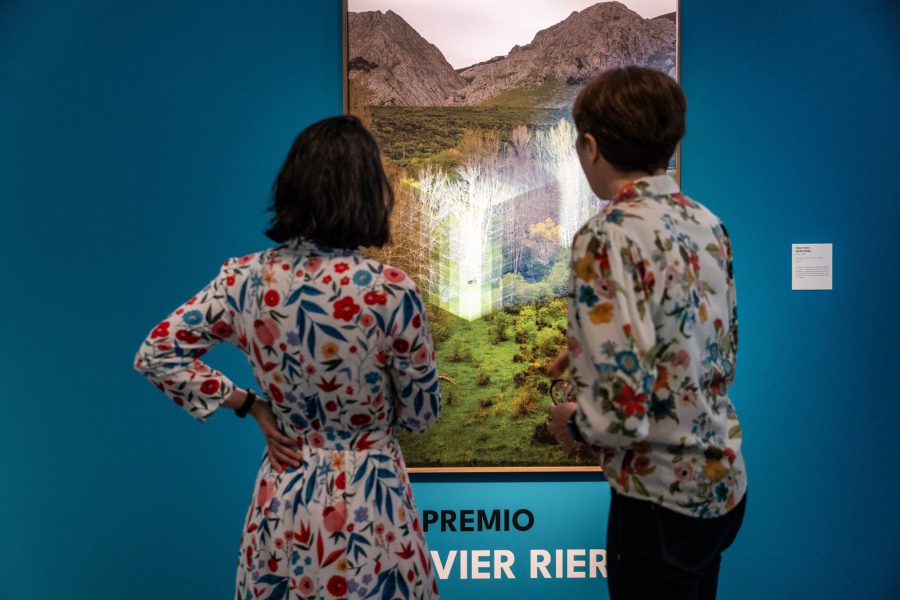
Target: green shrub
column 548, row 342
column 459, row 352
column 525, row 403
column 439, row 332
column 499, row 326
column 520, row 378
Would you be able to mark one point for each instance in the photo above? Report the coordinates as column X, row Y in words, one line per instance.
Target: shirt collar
column 651, row 185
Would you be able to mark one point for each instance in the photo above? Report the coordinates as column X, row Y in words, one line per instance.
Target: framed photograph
column 471, row 104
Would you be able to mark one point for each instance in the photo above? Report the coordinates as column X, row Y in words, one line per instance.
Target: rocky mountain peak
column 399, row 67
column 571, row 52
column 395, row 64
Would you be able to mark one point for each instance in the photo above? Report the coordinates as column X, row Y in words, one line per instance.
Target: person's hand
column 559, row 364
column 559, row 425
column 282, row 449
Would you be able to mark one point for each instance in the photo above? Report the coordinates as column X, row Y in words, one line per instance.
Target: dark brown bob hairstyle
column 332, row 189
column 636, row 114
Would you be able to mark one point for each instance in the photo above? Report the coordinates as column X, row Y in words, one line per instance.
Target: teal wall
column 137, row 145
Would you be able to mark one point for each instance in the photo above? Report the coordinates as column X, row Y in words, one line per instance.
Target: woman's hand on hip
column 282, row 449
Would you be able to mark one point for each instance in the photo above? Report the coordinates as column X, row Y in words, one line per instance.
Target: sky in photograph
column 471, row 31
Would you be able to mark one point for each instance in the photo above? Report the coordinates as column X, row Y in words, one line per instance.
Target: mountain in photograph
column 399, row 67
column 396, row 65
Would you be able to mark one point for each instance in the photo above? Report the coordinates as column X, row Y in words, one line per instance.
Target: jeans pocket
column 687, row 543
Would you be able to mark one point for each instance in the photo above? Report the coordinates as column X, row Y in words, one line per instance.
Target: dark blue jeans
column 655, row 553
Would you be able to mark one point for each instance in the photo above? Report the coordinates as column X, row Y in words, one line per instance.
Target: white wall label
column 811, row 267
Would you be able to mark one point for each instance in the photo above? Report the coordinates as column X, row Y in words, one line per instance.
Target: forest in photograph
column 489, row 194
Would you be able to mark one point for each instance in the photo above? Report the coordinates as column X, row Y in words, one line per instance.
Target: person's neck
column 623, row 178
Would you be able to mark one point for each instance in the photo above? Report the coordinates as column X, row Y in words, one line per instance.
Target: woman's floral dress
column 340, row 346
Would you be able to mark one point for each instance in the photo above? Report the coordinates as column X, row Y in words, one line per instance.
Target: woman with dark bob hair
column 652, row 346
column 342, row 353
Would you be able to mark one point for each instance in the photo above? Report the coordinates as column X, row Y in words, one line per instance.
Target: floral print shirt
column 340, row 346
column 652, row 345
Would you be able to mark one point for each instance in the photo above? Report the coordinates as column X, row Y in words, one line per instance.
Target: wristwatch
column 247, row 405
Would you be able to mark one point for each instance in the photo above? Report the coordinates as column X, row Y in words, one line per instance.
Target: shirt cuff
column 574, row 433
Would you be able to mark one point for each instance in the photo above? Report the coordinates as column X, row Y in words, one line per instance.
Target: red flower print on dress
column 329, row 385
column 230, row 280
column 631, row 403
column 271, row 298
column 401, row 345
column 335, row 516
column 370, row 298
column 303, row 534
column 341, row 267
column 267, row 331
column 340, row 482
column 417, row 321
column 161, row 330
column 221, row 330
column 346, row 308
column 210, row 386
column 276, row 394
column 406, row 551
column 421, row 355
column 367, row 320
column 186, row 336
column 394, row 275
column 337, row 586
column 313, row 264
column 306, row 585
column 265, row 492
column 360, row 420
column 326, row 279
column 345, row 280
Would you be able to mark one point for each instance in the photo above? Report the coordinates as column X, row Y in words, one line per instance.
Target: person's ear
column 592, row 151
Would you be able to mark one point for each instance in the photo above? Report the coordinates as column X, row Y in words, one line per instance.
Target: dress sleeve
column 611, row 338
column 412, row 366
column 170, row 355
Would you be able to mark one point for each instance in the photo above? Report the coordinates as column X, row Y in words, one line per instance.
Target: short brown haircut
column 332, row 188
column 636, row 114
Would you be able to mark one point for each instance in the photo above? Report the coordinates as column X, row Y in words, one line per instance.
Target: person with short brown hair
column 652, row 347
